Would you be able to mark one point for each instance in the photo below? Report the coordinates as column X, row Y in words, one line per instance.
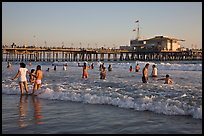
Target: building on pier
column 157, row 43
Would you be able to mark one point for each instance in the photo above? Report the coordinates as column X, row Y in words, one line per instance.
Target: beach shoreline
column 55, row 117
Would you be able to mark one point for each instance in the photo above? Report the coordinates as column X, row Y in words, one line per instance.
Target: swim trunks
column 144, row 80
column 85, row 75
column 154, row 76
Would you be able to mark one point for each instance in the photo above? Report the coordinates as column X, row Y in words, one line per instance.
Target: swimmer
column 92, row 65
column 55, row 68
column 65, row 67
column 154, row 71
column 137, row 68
column 110, row 67
column 48, row 69
column 9, row 65
column 145, row 73
column 85, row 70
column 130, row 69
column 167, row 80
column 103, row 73
column 38, row 75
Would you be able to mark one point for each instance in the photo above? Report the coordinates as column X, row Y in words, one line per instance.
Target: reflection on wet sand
column 37, row 110
column 23, row 111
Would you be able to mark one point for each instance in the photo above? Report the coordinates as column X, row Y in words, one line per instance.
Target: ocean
column 120, row 104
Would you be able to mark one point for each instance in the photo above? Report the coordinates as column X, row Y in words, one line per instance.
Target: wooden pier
column 101, row 54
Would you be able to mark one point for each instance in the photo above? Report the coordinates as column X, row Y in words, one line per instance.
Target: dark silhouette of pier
column 89, row 54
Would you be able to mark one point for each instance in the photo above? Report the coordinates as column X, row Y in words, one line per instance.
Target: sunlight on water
column 121, row 88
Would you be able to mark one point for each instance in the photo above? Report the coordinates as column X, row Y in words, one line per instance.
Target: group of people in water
column 35, row 76
column 102, row 69
column 153, row 74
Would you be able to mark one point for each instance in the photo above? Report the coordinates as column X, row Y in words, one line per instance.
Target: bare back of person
column 85, row 72
column 39, row 76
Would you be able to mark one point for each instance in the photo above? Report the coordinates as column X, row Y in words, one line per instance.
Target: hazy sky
column 99, row 24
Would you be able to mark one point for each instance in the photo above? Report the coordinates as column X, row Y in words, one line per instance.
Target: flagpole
column 138, row 31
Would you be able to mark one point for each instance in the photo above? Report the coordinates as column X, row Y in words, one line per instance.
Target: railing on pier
column 89, row 54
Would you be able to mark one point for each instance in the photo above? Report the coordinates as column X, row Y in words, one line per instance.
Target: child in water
column 167, row 80
column 32, row 76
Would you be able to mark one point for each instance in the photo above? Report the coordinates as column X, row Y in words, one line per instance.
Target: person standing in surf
column 137, row 68
column 130, row 69
column 103, row 73
column 110, row 67
column 145, row 73
column 64, row 66
column 8, row 64
column 55, row 68
column 154, row 71
column 38, row 75
column 85, row 70
column 22, row 71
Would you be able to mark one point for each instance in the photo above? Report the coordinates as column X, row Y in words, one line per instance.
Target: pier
column 89, row 54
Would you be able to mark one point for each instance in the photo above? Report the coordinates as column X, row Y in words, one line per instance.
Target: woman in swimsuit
column 85, row 68
column 38, row 76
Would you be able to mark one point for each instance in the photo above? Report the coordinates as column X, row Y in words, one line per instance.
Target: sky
column 99, row 24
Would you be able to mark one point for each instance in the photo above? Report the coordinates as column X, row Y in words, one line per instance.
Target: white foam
column 168, row 106
column 122, row 90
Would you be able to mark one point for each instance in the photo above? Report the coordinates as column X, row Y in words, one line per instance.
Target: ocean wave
column 159, row 102
column 122, row 88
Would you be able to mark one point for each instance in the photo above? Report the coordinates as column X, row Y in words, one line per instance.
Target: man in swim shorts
column 145, row 73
